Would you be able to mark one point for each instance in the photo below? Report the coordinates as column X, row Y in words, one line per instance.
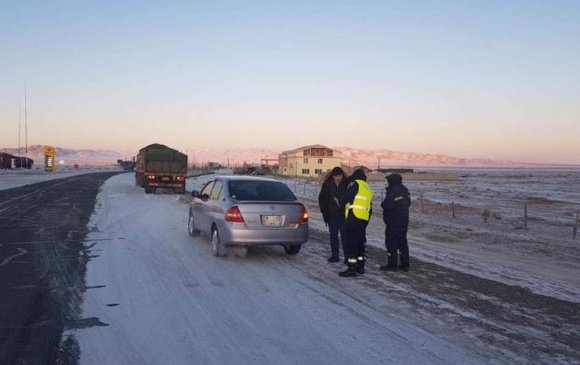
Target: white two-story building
column 308, row 161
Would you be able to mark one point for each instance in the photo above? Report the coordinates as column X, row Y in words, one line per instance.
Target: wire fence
column 526, row 212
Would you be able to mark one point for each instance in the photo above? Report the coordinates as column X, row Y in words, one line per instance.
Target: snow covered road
column 157, row 296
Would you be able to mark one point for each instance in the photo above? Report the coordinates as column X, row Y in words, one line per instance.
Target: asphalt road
column 42, row 264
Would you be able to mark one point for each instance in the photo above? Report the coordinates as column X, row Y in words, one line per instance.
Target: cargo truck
column 158, row 166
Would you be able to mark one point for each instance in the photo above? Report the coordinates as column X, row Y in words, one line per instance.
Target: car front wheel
column 292, row 249
column 193, row 232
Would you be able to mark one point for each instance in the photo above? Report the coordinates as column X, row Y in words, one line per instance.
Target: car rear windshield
column 254, row 190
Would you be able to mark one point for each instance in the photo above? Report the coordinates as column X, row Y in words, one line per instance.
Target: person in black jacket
column 396, row 217
column 332, row 191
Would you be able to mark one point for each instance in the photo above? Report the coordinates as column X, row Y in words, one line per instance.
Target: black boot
column 350, row 271
column 388, row 268
column 360, row 266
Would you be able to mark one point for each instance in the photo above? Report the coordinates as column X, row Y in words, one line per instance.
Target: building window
column 305, row 160
column 320, row 161
column 318, row 171
column 305, row 171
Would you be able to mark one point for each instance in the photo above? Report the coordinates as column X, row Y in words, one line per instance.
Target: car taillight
column 234, row 215
column 151, row 177
column 303, row 216
column 180, row 178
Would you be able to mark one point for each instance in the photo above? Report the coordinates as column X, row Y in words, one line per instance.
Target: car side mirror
column 195, row 194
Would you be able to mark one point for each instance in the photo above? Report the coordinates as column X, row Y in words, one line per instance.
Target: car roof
column 245, row 178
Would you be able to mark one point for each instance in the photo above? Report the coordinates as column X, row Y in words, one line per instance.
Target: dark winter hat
column 359, row 174
column 394, row 179
column 337, row 171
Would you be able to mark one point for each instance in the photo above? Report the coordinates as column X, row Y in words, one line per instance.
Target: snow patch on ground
column 543, row 258
column 177, row 304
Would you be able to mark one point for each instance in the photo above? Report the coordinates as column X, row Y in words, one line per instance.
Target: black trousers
column 356, row 239
column 336, row 227
column 396, row 242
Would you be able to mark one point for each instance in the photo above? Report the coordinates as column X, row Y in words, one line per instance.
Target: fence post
column 295, row 190
column 422, row 206
column 305, row 187
column 453, row 209
column 526, row 214
column 575, row 231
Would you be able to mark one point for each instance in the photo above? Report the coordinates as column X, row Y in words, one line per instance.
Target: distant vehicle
column 246, row 211
column 127, row 165
column 159, row 166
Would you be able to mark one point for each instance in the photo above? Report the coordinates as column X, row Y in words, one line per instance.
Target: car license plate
column 272, row 220
column 165, row 178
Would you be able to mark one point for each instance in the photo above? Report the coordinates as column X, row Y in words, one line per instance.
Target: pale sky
column 490, row 79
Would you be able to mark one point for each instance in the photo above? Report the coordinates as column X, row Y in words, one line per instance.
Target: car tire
column 217, row 249
column 240, row 251
column 193, row 232
column 292, row 249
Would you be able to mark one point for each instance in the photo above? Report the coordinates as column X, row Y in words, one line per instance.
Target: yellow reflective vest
column 361, row 206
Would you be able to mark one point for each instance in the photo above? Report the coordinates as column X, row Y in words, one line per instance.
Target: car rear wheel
column 240, row 251
column 217, row 249
column 193, row 232
column 292, row 249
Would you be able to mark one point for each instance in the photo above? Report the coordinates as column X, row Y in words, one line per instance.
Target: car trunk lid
column 271, row 215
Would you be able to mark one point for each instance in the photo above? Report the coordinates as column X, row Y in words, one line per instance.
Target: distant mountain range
column 237, row 156
column 70, row 155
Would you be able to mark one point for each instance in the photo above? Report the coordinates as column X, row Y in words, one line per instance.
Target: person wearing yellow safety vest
column 357, row 203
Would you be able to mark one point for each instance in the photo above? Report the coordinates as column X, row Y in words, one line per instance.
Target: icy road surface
column 159, row 297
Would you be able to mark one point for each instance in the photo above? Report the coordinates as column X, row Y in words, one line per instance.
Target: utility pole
column 25, row 124
column 19, row 126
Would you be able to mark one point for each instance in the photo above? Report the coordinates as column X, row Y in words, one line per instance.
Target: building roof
column 308, row 147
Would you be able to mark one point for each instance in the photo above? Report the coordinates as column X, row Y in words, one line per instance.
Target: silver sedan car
column 239, row 212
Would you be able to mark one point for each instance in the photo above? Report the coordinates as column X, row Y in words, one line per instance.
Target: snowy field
column 15, row 178
column 543, row 258
column 158, row 296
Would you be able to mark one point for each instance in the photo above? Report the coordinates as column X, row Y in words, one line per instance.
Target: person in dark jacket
column 396, row 217
column 357, row 203
column 333, row 189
